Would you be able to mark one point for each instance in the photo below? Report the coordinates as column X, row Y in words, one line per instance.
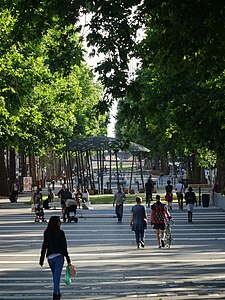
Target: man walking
column 179, row 191
column 119, row 199
column 149, row 186
column 191, row 200
column 138, row 222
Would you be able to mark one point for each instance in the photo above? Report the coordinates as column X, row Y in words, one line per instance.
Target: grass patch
column 130, row 198
column 108, row 198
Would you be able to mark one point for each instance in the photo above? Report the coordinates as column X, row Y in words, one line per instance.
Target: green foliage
column 47, row 93
column 175, row 103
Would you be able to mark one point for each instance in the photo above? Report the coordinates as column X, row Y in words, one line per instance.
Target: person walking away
column 119, row 199
column 85, row 195
column 37, row 197
column 191, row 200
column 62, row 196
column 66, row 195
column 138, row 222
column 53, row 184
column 179, row 187
column 54, row 246
column 15, row 190
column 159, row 213
column 169, row 194
column 49, row 199
column 149, row 186
column 51, row 195
column 79, row 197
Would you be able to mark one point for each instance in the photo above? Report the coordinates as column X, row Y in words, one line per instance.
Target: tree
column 45, row 87
column 181, row 78
column 184, row 45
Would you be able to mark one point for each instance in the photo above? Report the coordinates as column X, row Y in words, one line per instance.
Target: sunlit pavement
column 108, row 264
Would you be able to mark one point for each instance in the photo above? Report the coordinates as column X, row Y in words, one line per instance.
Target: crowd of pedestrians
column 54, row 245
column 160, row 212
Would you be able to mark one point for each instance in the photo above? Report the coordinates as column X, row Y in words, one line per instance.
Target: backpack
column 158, row 214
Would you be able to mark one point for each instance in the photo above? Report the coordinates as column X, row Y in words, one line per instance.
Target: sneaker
column 142, row 244
column 162, row 243
column 159, row 247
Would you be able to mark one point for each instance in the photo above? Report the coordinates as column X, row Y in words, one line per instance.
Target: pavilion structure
column 85, row 172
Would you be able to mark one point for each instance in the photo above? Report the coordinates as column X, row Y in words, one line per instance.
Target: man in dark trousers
column 138, row 222
column 191, row 201
column 148, row 190
column 119, row 199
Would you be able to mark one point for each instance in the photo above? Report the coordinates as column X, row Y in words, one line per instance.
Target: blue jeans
column 56, row 265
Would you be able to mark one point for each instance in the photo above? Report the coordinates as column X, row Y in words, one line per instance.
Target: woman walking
column 56, row 247
column 159, row 214
column 169, row 194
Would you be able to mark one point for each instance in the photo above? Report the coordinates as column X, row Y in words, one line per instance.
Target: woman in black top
column 55, row 248
column 169, row 194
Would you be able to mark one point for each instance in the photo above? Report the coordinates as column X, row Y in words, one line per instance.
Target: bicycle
column 168, row 232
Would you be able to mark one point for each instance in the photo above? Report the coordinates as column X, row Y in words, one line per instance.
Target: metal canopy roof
column 102, row 143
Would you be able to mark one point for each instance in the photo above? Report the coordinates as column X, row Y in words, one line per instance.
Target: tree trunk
column 32, row 166
column 4, row 186
column 12, row 166
column 59, row 168
column 220, row 177
column 22, row 166
column 157, row 159
column 164, row 166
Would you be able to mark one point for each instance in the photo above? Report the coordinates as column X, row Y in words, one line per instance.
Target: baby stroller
column 12, row 198
column 38, row 209
column 71, row 208
column 39, row 213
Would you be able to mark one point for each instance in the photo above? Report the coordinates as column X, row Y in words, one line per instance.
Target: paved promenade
column 108, row 264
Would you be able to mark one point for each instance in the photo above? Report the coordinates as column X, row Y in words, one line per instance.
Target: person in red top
column 159, row 213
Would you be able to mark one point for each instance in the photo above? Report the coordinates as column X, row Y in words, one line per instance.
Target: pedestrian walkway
column 108, row 264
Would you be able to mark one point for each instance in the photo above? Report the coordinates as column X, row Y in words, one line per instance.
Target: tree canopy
column 48, row 94
column 176, row 100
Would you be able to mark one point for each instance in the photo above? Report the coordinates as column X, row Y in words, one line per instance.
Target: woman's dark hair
column 53, row 223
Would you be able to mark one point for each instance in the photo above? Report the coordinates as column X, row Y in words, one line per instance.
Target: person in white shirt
column 86, row 195
column 180, row 191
